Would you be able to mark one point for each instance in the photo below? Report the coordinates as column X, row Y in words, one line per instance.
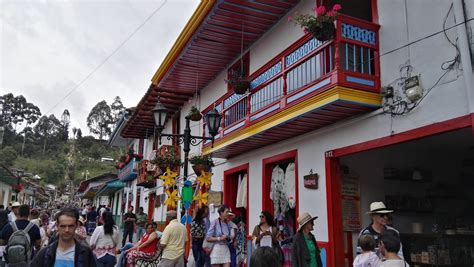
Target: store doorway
column 280, row 196
column 236, row 191
column 424, row 175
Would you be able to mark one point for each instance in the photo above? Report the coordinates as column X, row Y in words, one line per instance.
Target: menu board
column 350, row 192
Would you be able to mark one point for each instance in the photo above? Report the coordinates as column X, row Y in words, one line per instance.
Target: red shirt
column 150, row 248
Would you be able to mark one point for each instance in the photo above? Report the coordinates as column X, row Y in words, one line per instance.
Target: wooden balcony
column 310, row 85
column 130, row 171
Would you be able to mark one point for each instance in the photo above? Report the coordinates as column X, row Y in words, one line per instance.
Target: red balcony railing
column 306, row 68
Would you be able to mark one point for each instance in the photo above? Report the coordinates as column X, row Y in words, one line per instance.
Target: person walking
column 221, row 234
column 305, row 249
column 105, row 240
column 17, row 247
column 142, row 219
column 129, row 219
column 198, row 232
column 389, row 247
column 173, row 242
column 379, row 214
column 266, row 233
column 66, row 251
column 3, row 222
column 14, row 211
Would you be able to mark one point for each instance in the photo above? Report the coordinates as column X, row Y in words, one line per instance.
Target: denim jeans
column 123, row 259
column 198, row 253
column 126, row 232
column 107, row 261
column 140, row 231
column 233, row 255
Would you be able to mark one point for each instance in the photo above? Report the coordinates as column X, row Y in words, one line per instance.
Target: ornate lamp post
column 213, row 121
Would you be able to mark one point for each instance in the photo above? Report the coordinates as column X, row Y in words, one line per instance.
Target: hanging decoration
column 187, row 194
column 169, row 178
column 172, row 198
column 201, row 198
column 205, row 179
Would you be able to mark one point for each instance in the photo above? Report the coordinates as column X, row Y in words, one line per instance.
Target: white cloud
column 48, row 47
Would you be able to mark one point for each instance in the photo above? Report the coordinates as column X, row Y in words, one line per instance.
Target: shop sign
column 311, row 181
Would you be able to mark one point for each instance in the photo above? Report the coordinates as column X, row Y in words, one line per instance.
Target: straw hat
column 82, row 220
column 304, row 219
column 378, row 207
column 16, row 204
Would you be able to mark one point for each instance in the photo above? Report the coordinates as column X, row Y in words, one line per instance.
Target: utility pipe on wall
column 463, row 44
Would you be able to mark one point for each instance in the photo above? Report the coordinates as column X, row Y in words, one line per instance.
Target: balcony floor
column 333, row 105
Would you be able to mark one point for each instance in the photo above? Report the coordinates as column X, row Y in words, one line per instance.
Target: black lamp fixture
column 212, row 119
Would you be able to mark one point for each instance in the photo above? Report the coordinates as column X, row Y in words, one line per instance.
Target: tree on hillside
column 28, row 134
column 8, row 156
column 15, row 109
column 65, row 122
column 100, row 120
column 117, row 108
column 79, row 133
column 46, row 128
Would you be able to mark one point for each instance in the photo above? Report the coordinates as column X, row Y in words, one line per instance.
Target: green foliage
column 100, row 120
column 15, row 109
column 8, row 156
column 202, row 160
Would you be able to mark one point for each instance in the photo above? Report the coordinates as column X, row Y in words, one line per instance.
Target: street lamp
column 213, row 121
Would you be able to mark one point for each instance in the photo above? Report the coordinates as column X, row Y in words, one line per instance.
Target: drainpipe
column 463, row 45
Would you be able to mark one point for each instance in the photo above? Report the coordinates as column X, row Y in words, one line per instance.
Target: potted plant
column 238, row 82
column 168, row 159
column 201, row 163
column 194, row 114
column 320, row 26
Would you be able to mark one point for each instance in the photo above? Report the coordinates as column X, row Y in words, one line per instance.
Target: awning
column 214, row 37
column 92, row 189
column 111, row 187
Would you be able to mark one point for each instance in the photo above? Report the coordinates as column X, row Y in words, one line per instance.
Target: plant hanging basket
column 241, row 87
column 199, row 168
column 195, row 117
column 324, row 32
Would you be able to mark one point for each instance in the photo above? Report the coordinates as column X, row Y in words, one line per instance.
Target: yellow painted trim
column 333, row 94
column 183, row 38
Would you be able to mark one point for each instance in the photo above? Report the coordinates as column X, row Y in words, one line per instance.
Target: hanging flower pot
column 323, row 32
column 321, row 24
column 238, row 82
column 194, row 114
column 199, row 168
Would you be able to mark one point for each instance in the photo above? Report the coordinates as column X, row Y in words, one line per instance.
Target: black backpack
column 19, row 249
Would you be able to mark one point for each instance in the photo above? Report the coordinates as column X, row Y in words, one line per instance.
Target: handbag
column 207, row 246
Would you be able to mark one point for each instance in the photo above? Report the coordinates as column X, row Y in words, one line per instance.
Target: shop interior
column 429, row 182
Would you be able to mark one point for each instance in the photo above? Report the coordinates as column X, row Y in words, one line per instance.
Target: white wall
column 444, row 102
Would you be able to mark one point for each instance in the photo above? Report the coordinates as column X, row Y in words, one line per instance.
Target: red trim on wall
column 230, row 172
column 333, row 181
column 267, row 165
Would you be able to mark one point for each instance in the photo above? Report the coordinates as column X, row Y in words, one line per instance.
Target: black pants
column 128, row 232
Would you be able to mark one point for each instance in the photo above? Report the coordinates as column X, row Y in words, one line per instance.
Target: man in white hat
column 379, row 214
column 15, row 211
column 305, row 249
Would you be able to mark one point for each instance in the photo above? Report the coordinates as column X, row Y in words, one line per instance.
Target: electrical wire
column 74, row 88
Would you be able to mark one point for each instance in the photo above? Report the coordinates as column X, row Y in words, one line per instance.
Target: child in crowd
column 368, row 258
column 389, row 246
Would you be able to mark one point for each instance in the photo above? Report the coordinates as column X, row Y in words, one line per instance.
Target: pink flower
column 331, row 13
column 290, row 18
column 336, row 7
column 320, row 10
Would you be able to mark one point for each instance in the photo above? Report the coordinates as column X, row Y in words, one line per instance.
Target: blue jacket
column 46, row 257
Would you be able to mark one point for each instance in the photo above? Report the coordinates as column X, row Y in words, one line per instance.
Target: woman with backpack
column 104, row 241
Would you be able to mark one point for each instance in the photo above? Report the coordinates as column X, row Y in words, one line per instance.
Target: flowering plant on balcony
column 169, row 159
column 201, row 163
column 238, row 81
column 321, row 24
column 194, row 114
column 17, row 188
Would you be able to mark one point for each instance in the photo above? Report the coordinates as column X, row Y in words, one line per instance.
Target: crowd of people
column 59, row 237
